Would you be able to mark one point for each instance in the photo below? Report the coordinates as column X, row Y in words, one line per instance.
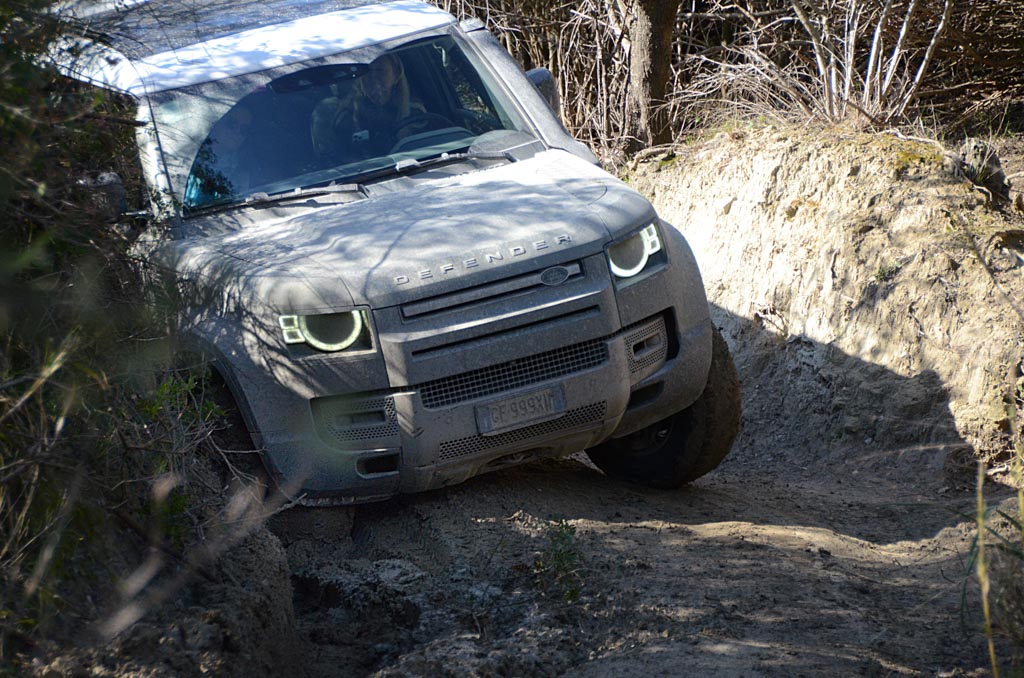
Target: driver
column 367, row 120
column 382, row 94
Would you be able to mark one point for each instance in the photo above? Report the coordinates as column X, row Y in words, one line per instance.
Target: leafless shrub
column 871, row 62
column 586, row 45
column 832, row 60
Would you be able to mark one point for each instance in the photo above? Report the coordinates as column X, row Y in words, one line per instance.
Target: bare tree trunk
column 651, row 68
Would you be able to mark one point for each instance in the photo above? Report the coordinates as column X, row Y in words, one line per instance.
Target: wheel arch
column 203, row 344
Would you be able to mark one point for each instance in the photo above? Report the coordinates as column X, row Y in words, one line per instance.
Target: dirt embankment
column 867, row 296
column 874, row 301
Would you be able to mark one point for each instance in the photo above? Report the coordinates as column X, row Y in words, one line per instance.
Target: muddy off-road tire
column 685, row 446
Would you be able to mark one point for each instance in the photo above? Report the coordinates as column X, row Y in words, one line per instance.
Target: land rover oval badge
column 556, row 275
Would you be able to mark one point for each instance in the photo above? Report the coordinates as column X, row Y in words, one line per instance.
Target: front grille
column 489, row 293
column 454, row 449
column 346, row 419
column 514, row 374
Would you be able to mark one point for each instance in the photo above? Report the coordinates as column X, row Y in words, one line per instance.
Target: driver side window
column 467, row 85
column 474, row 108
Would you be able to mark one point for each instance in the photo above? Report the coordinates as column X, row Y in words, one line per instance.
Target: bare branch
column 926, row 61
column 871, row 89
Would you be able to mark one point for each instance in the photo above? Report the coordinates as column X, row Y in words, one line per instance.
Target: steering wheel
column 420, row 122
column 424, row 129
column 478, row 123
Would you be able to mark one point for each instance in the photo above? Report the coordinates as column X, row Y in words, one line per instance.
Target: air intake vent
column 347, row 419
column 646, row 346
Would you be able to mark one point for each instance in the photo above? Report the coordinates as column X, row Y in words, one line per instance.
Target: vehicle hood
column 436, row 235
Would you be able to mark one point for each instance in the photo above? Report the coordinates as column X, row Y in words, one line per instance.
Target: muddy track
column 743, row 573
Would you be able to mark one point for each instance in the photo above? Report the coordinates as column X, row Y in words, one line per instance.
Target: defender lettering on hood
column 487, row 258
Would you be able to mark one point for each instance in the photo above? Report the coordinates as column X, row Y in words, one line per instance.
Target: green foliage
column 558, row 566
column 178, row 411
column 887, row 270
column 168, row 518
column 56, row 133
column 667, row 160
column 907, row 157
column 77, row 445
column 174, row 518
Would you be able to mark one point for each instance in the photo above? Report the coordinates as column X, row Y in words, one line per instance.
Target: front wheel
column 234, row 454
column 683, row 447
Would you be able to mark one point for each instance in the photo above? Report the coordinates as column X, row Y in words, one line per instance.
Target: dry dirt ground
column 868, row 298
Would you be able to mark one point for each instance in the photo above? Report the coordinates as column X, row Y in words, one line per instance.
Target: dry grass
column 998, row 564
column 999, row 552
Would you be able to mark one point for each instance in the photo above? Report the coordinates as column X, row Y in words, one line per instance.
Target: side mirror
column 106, row 193
column 471, row 24
column 545, row 84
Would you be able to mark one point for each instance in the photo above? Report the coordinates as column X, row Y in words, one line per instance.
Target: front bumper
column 371, row 446
column 635, row 355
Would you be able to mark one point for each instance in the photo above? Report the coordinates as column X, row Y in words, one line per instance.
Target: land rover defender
column 403, row 267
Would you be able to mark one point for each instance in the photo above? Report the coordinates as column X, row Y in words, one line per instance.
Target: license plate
column 522, row 410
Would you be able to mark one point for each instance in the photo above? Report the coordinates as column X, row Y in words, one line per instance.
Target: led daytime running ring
column 296, row 330
column 651, row 245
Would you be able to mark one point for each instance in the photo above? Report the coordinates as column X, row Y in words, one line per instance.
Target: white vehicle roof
column 141, row 47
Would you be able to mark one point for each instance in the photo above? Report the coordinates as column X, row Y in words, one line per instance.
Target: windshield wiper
column 263, row 198
column 411, row 165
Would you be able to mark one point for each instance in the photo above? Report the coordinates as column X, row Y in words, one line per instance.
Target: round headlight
column 629, row 257
column 332, row 331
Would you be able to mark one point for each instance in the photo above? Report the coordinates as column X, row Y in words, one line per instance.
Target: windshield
column 332, row 120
